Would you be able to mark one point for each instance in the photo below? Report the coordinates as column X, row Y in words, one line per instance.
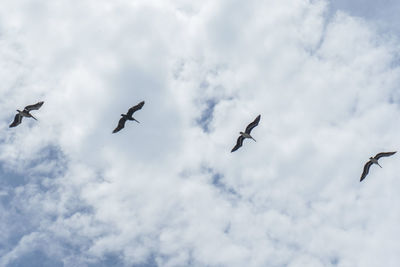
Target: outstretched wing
column 253, row 124
column 366, row 170
column 17, row 120
column 121, row 125
column 134, row 109
column 34, row 107
column 239, row 143
column 384, row 154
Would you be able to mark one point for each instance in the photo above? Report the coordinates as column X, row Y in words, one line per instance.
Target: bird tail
column 34, row 118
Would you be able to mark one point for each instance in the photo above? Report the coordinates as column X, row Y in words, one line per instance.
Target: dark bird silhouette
column 246, row 134
column 374, row 160
column 25, row 113
column 128, row 117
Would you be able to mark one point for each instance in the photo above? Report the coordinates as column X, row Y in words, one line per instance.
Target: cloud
column 167, row 191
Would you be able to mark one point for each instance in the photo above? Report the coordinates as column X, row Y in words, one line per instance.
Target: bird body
column 246, row 133
column 374, row 160
column 128, row 117
column 25, row 113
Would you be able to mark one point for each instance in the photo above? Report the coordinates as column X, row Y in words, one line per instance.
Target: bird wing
column 121, row 125
column 253, row 124
column 366, row 170
column 17, row 120
column 135, row 108
column 239, row 143
column 34, row 107
column 384, row 154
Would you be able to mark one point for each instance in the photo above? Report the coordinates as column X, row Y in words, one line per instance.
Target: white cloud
column 326, row 91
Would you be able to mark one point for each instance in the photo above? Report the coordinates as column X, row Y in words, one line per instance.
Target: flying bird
column 246, row 134
column 374, row 160
column 25, row 113
column 128, row 117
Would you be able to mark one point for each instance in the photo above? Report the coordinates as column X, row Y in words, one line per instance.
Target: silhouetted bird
column 25, row 113
column 128, row 117
column 246, row 134
column 374, row 160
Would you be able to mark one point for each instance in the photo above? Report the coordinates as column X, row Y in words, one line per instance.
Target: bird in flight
column 374, row 160
column 128, row 117
column 246, row 134
column 25, row 113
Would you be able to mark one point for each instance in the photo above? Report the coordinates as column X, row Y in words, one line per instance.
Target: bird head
column 241, row 132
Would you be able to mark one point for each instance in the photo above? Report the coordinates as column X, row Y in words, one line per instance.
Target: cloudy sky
column 324, row 75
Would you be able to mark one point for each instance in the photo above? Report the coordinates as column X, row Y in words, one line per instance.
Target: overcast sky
column 323, row 75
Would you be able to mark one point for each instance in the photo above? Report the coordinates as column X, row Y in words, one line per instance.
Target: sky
column 324, row 75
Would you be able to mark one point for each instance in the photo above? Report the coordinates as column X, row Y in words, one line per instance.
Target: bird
column 246, row 134
column 374, row 160
column 25, row 113
column 128, row 117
